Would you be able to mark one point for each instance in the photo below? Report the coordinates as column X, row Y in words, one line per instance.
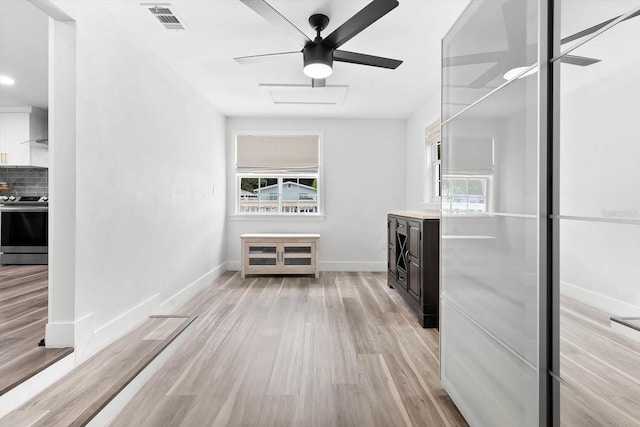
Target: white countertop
column 280, row 236
column 416, row 214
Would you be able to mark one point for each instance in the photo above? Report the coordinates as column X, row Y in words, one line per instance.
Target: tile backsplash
column 25, row 181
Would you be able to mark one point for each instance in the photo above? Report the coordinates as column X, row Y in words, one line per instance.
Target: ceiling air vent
column 165, row 15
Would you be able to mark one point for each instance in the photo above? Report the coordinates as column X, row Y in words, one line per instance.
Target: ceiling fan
column 319, row 54
column 515, row 57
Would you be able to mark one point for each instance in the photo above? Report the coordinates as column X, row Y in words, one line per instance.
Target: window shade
column 432, row 133
column 291, row 153
column 469, row 155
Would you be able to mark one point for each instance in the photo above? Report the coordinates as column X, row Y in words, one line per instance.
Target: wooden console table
column 279, row 254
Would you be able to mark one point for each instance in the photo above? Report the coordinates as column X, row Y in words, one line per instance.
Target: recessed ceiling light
column 515, row 71
column 6, row 80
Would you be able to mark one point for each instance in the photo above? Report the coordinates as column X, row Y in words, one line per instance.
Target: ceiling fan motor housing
column 317, row 53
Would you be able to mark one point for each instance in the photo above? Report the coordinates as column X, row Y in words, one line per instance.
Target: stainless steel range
column 24, row 230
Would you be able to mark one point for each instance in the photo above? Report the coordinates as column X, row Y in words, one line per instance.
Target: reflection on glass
column 600, row 219
column 580, row 19
column 493, row 38
column 489, row 225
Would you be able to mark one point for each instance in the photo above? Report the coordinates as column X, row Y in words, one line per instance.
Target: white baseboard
column 18, row 395
column 90, row 339
column 602, row 302
column 625, row 330
column 59, row 334
column 117, row 404
column 375, row 266
column 334, row 266
column 180, row 298
column 233, row 265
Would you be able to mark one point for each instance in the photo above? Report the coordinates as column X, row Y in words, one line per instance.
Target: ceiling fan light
column 318, row 70
column 318, row 61
column 512, row 73
column 6, row 80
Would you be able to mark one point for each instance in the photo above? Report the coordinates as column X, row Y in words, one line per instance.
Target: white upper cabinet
column 20, row 130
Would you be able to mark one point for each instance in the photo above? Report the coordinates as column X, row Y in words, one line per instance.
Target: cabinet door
column 391, row 245
column 414, row 279
column 261, row 256
column 414, row 239
column 401, row 246
column 298, row 256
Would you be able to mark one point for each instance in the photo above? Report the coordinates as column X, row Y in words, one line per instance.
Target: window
column 435, row 169
column 466, row 194
column 434, row 174
column 278, row 174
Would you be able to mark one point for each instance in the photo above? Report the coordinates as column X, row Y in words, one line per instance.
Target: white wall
column 364, row 178
column 149, row 231
column 418, row 185
column 599, row 178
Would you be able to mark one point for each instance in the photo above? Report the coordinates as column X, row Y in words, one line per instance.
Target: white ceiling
column 23, row 54
column 219, row 30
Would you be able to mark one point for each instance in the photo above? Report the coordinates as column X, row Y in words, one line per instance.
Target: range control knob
column 12, row 198
column 5, row 198
column 45, row 199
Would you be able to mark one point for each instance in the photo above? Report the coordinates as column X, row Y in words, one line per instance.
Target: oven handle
column 24, row 208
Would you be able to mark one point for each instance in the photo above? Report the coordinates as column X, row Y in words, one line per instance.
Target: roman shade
column 432, row 133
column 469, row 155
column 278, row 154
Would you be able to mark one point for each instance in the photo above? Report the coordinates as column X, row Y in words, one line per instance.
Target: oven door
column 24, row 229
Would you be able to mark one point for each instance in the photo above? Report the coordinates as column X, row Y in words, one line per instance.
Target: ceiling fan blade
column 254, row 59
column 487, row 76
column 265, row 10
column 358, row 22
column 514, row 18
column 318, row 82
column 595, row 28
column 361, row 58
column 582, row 61
column 476, row 58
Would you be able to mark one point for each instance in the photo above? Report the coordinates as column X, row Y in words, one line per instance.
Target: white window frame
column 487, row 182
column 302, row 175
column 432, row 140
column 280, row 178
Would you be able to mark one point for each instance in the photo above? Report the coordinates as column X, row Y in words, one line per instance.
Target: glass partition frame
column 542, row 211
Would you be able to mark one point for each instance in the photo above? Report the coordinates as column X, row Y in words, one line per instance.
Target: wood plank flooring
column 341, row 350
column 75, row 399
column 23, row 316
column 600, row 368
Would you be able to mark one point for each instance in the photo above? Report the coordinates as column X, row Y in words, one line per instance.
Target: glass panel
column 578, row 410
column 278, row 195
column 489, row 272
column 491, row 38
column 599, row 147
column 262, row 261
column 578, row 16
column 262, row 249
column 493, row 147
column 297, row 261
column 297, row 249
column 490, row 385
column 599, row 225
column 490, row 243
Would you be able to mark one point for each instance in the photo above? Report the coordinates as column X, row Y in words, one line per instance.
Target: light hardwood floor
column 600, row 368
column 23, row 316
column 341, row 350
column 76, row 398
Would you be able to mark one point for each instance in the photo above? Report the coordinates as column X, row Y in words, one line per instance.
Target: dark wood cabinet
column 414, row 262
